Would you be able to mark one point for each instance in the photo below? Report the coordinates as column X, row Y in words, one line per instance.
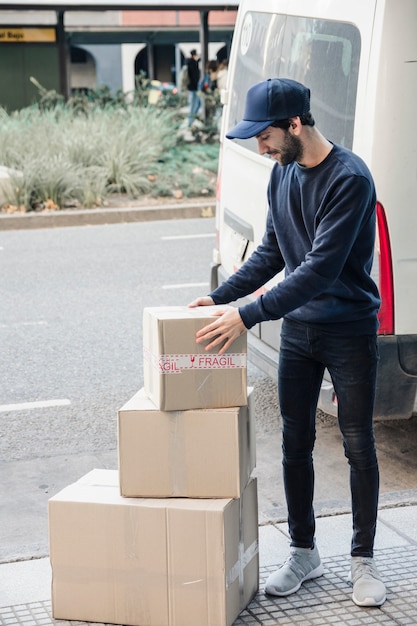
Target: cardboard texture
column 206, row 453
column 151, row 562
column 178, row 373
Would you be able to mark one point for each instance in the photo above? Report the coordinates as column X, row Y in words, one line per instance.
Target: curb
column 93, row 217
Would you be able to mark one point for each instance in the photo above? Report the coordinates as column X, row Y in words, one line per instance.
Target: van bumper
column 397, row 377
column 396, row 385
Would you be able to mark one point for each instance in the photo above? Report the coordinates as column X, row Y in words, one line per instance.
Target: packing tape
column 177, row 452
column 177, row 363
column 245, row 557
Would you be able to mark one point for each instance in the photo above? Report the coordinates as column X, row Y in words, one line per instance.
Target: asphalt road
column 71, row 302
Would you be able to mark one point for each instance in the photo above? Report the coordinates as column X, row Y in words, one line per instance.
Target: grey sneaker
column 302, row 564
column 368, row 588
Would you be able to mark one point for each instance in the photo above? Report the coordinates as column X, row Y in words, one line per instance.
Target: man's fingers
column 201, row 301
column 214, row 339
column 208, row 331
column 223, row 342
column 222, row 332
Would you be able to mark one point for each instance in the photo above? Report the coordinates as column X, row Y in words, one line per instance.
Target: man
column 192, row 86
column 321, row 229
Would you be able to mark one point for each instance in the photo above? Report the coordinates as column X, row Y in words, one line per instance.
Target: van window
column 321, row 54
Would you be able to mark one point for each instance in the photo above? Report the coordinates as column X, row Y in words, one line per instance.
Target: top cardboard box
column 180, row 374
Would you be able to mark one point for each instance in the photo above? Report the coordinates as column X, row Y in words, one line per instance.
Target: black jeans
column 352, row 363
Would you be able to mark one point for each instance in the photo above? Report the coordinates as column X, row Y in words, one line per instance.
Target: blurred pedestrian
column 208, row 92
column 194, row 101
column 222, row 71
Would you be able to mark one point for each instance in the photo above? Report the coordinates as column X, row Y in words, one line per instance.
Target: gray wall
column 108, row 61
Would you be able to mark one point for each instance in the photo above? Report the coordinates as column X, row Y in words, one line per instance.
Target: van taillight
column 386, row 281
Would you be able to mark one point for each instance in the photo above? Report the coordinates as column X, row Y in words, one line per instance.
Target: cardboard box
column 199, row 453
column 151, row 562
column 178, row 373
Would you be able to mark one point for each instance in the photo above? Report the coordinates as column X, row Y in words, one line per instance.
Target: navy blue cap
column 271, row 100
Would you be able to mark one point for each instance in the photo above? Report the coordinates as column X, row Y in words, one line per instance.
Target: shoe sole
column 315, row 573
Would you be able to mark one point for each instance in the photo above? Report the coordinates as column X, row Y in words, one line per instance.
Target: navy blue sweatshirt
column 321, row 229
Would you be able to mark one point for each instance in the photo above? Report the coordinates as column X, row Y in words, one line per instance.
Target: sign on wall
column 27, row 35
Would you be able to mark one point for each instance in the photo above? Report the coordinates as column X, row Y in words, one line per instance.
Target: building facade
column 103, row 48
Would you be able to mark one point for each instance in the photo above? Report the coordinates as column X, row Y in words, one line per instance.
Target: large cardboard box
column 198, row 453
column 151, row 562
column 178, row 373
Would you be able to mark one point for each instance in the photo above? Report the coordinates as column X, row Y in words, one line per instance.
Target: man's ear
column 295, row 125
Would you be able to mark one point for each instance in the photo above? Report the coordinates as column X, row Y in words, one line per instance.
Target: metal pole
column 178, row 66
column 204, row 51
column 63, row 55
column 204, row 36
column 151, row 61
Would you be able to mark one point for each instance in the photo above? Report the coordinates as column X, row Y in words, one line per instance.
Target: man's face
column 280, row 144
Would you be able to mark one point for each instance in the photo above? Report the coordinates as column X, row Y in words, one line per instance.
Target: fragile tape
column 177, row 363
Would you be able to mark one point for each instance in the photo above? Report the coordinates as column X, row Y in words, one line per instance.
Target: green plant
column 49, row 99
column 90, row 148
column 189, row 168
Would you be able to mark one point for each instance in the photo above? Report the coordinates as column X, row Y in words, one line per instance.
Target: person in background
column 209, row 81
column 321, row 230
column 194, row 101
column 222, row 74
column 221, row 83
column 208, row 92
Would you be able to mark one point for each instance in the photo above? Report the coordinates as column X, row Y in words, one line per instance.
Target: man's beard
column 292, row 150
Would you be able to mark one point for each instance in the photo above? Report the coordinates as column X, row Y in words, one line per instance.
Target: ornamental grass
column 66, row 158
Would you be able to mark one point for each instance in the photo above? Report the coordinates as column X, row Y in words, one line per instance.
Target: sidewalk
column 25, row 586
column 119, row 212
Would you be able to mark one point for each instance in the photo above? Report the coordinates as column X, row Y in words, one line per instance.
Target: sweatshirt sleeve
column 347, row 209
column 263, row 264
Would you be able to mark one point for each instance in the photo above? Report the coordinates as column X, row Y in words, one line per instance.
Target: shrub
column 82, row 152
column 190, row 169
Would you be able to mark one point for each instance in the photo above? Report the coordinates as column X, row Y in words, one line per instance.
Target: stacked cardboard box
column 171, row 538
column 179, row 374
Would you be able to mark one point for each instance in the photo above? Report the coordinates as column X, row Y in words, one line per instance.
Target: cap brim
column 247, row 129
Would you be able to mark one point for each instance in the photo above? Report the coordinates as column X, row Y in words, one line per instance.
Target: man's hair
column 306, row 120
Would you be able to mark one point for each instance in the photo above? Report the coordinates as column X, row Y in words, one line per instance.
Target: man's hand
column 202, row 301
column 223, row 331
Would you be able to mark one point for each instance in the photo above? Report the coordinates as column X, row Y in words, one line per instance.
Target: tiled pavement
column 25, row 586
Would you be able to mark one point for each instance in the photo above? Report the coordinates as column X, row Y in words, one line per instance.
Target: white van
column 359, row 59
